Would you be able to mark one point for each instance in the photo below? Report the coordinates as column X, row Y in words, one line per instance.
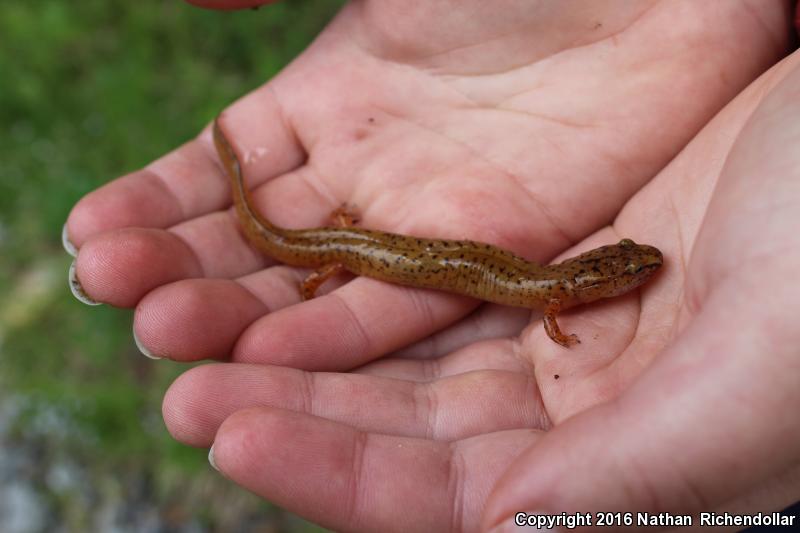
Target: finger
column 445, row 409
column 121, row 266
column 196, row 319
column 701, row 398
column 189, row 182
column 343, row 478
column 489, row 321
column 348, row 327
column 183, row 183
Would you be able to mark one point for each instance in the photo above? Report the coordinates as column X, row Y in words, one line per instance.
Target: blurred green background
column 91, row 90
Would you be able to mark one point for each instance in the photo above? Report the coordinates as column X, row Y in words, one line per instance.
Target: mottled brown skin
column 465, row 267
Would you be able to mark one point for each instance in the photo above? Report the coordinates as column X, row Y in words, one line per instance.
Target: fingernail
column 145, row 352
column 531, row 521
column 68, row 246
column 77, row 289
column 211, row 458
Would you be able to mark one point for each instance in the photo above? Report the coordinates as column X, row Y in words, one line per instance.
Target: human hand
column 524, row 127
column 431, row 437
column 695, row 410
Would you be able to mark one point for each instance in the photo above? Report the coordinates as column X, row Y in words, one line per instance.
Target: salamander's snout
column 640, row 257
column 641, row 262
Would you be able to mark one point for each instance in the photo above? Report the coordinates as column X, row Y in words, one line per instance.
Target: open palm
column 528, row 128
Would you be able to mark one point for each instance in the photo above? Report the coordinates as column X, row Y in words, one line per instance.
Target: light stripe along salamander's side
column 465, row 267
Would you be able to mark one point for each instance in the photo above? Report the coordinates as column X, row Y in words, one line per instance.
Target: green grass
column 91, row 90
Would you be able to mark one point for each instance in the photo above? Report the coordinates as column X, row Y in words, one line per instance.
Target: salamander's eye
column 627, row 243
column 633, row 268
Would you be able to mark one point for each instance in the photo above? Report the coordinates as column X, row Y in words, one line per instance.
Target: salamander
column 465, row 267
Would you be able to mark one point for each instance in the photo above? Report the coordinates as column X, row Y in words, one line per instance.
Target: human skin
column 532, row 132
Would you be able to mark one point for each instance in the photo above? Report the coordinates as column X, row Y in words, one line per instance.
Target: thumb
column 715, row 417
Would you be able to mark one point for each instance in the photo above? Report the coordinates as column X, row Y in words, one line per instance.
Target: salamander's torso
column 465, row 267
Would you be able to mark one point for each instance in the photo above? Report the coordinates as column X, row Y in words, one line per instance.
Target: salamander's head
column 612, row 270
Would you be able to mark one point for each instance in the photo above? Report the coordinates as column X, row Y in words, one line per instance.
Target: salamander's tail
column 254, row 225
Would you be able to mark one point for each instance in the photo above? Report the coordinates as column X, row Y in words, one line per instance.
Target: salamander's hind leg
column 551, row 326
column 345, row 216
column 309, row 286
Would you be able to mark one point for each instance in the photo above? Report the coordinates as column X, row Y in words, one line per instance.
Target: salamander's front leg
column 551, row 326
column 309, row 286
column 344, row 217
